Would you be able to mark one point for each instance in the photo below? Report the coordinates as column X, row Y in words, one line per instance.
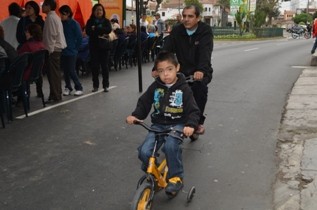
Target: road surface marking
column 62, row 103
column 302, row 67
column 251, row 49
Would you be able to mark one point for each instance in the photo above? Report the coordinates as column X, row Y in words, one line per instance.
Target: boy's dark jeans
column 171, row 148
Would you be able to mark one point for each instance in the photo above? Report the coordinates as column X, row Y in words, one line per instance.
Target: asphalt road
column 82, row 155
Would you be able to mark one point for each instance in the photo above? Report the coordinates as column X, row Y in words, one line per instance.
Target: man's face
column 190, row 20
column 45, row 8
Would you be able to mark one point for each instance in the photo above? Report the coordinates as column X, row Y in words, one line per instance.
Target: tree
column 196, row 3
column 259, row 18
column 270, row 9
column 303, row 17
column 224, row 5
column 240, row 18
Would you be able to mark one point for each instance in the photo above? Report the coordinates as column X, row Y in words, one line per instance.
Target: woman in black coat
column 98, row 25
column 32, row 11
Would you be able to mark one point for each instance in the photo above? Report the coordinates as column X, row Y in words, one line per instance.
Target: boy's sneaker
column 174, row 185
column 78, row 93
column 200, row 130
column 66, row 92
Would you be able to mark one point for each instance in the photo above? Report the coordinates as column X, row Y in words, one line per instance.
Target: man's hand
column 131, row 119
column 188, row 131
column 198, row 75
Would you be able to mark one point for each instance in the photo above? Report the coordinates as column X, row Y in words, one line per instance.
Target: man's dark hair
column 15, row 9
column 35, row 6
column 195, row 7
column 51, row 4
column 66, row 10
column 165, row 56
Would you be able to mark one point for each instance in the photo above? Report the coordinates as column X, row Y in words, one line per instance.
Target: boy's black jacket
column 173, row 105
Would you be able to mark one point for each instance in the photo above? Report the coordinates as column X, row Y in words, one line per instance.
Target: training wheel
column 190, row 194
column 194, row 137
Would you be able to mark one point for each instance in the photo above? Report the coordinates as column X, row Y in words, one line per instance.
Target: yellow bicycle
column 156, row 174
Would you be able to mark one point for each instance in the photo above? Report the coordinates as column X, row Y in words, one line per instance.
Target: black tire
column 307, row 35
column 190, row 194
column 295, row 36
column 143, row 197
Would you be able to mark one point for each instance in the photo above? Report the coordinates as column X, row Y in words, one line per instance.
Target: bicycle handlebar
column 168, row 131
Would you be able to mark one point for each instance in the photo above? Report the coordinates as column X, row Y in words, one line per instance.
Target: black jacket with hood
column 172, row 105
column 193, row 52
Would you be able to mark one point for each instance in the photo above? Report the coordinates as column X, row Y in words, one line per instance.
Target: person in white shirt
column 54, row 41
column 10, row 24
column 143, row 21
column 160, row 24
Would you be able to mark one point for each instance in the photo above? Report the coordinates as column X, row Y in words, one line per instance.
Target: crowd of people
column 66, row 42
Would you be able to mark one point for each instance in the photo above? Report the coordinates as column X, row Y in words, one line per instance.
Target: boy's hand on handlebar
column 188, row 131
column 198, row 75
column 131, row 120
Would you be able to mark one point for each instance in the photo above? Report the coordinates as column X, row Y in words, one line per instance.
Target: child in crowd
column 174, row 105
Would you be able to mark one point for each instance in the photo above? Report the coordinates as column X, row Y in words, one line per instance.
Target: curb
column 296, row 182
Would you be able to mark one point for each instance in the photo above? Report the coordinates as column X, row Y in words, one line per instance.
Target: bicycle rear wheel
column 143, row 197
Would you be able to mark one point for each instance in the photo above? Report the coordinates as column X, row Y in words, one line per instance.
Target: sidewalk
column 296, row 184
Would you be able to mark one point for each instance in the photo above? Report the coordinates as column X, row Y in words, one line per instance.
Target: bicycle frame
column 159, row 172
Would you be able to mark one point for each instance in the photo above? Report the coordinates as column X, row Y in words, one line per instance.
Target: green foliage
column 240, row 18
column 223, row 3
column 259, row 18
column 269, row 8
column 303, row 17
column 195, row 2
column 245, row 36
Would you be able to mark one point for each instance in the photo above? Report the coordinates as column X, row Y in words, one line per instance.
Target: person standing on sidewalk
column 54, row 41
column 192, row 41
column 73, row 38
column 10, row 24
column 314, row 36
column 97, row 26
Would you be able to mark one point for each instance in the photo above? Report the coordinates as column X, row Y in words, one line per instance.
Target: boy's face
column 167, row 72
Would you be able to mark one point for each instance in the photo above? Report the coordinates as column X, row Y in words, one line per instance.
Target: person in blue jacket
column 73, row 36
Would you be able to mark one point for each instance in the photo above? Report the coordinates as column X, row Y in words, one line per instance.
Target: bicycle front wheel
column 143, row 197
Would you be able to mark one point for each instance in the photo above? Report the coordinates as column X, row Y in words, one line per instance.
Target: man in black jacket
column 192, row 42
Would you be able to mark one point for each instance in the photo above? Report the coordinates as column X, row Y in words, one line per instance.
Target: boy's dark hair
column 15, row 9
column 51, row 4
column 35, row 6
column 195, row 7
column 165, row 56
column 66, row 10
column 35, row 31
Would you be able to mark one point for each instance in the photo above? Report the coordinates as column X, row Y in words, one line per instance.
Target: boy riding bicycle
column 174, row 105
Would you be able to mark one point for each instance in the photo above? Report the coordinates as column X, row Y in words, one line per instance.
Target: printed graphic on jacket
column 174, row 103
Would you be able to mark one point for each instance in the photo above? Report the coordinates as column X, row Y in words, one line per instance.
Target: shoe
column 51, row 101
column 106, row 89
column 78, row 93
column 94, row 90
column 66, row 92
column 200, row 130
column 174, row 185
column 312, row 52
